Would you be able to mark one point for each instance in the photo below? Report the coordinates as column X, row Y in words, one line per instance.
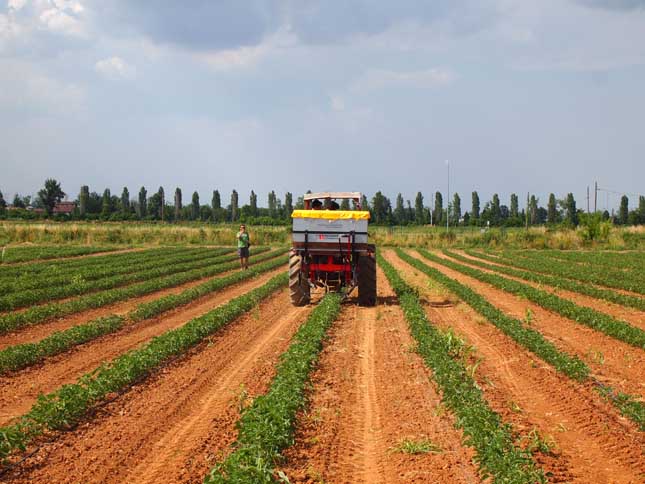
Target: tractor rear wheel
column 367, row 281
column 298, row 283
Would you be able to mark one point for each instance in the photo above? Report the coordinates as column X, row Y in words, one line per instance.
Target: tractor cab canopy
column 326, row 200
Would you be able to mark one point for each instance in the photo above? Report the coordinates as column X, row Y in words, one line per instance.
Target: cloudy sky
column 519, row 95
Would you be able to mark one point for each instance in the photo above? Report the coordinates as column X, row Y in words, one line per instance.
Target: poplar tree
column 162, row 202
column 272, row 204
column 82, row 200
column 105, row 207
column 438, row 208
column 288, row 204
column 641, row 209
column 515, row 206
column 216, row 201
column 533, row 208
column 125, row 201
column 551, row 210
column 456, row 208
column 419, row 217
column 495, row 210
column 234, row 206
column 474, row 212
column 3, row 204
column 178, row 206
column 143, row 202
column 623, row 212
column 399, row 210
column 253, row 202
column 194, row 207
column 572, row 214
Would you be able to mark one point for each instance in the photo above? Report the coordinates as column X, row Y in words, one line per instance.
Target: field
column 130, row 359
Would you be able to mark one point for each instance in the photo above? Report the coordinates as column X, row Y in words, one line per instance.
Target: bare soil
column 18, row 392
column 590, row 442
column 369, row 394
column 173, row 427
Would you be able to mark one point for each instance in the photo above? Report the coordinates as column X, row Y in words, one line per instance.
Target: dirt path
column 592, row 443
column 370, row 393
column 612, row 361
column 173, row 427
column 18, row 392
column 633, row 316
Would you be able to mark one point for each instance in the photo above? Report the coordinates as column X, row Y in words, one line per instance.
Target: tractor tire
column 367, row 281
column 299, row 290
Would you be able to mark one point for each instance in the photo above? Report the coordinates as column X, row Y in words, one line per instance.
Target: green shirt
column 242, row 240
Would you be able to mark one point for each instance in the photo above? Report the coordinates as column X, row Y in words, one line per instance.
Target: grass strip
column 80, row 275
column 533, row 262
column 161, row 267
column 267, row 426
column 550, row 280
column 66, row 406
column 492, row 439
column 11, row 255
column 40, row 314
column 614, row 260
column 21, row 356
column 628, row 405
column 602, row 322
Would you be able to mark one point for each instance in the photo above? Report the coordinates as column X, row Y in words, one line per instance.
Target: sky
column 508, row 96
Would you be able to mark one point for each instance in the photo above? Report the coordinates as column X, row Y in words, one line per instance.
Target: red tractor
column 330, row 249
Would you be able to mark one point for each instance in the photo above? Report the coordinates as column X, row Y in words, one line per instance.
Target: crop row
column 21, row 356
column 497, row 454
column 10, row 255
column 550, row 280
column 602, row 322
column 136, row 262
column 51, row 268
column 533, row 341
column 66, row 406
column 615, row 279
column 162, row 267
column 630, row 261
column 40, row 314
column 267, row 425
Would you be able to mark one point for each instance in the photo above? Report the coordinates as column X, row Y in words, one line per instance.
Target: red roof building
column 65, row 208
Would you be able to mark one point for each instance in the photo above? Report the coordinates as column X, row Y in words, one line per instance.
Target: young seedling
column 528, row 316
column 423, row 446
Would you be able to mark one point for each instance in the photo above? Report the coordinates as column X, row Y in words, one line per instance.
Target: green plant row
column 66, row 406
column 49, row 268
column 555, row 281
column 82, row 275
column 534, row 262
column 24, row 254
column 527, row 337
column 631, row 261
column 163, row 267
column 492, row 439
column 602, row 322
column 267, row 426
column 21, row 356
column 40, row 314
column 630, row 406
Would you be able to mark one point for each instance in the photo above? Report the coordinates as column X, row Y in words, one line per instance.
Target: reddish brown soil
column 593, row 444
column 18, row 392
column 176, row 425
column 369, row 393
column 30, row 334
column 612, row 362
column 633, row 316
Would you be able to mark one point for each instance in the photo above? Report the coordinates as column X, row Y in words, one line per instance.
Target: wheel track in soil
column 175, row 425
column 633, row 316
column 595, row 444
column 19, row 391
column 369, row 392
column 612, row 362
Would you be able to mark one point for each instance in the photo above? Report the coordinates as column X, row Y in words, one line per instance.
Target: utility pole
column 595, row 197
column 448, row 200
column 587, row 198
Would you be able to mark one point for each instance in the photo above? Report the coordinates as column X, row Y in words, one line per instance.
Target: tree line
column 91, row 205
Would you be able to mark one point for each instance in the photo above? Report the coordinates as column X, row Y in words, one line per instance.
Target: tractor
column 330, row 250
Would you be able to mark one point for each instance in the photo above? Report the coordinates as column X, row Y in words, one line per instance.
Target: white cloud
column 114, row 69
column 337, row 103
column 424, row 79
column 16, row 4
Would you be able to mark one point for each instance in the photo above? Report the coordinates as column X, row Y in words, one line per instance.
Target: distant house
column 64, row 208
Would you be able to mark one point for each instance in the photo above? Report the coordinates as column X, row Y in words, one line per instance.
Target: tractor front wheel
column 298, row 283
column 367, row 281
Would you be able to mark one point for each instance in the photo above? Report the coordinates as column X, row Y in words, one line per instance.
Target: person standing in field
column 243, row 244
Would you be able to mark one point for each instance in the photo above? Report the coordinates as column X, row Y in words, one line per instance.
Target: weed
column 423, row 446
